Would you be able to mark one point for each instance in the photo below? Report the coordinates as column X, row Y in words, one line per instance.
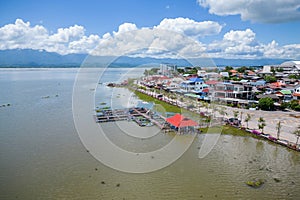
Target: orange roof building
column 180, row 121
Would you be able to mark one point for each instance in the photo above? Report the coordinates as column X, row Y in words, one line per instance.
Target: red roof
column 205, row 90
column 277, row 84
column 164, row 77
column 211, row 82
column 296, row 94
column 251, row 73
column 181, row 121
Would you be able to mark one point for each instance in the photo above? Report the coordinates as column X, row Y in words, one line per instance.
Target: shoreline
column 242, row 131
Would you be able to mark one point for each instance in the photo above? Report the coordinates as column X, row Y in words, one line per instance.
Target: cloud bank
column 181, row 36
column 263, row 11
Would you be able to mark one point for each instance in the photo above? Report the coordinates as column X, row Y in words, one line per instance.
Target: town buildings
column 234, row 87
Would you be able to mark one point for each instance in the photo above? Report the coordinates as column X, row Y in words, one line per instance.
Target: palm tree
column 247, row 119
column 206, row 105
column 278, row 127
column 236, row 113
column 261, row 124
column 297, row 133
column 222, row 111
column 241, row 118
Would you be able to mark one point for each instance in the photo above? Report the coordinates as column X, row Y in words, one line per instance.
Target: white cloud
column 153, row 42
column 66, row 40
column 171, row 38
column 265, row 11
column 243, row 44
column 84, row 44
column 240, row 43
column 190, row 27
column 22, row 35
column 125, row 27
column 65, row 35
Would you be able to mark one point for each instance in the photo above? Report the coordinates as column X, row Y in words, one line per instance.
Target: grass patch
column 167, row 107
column 228, row 130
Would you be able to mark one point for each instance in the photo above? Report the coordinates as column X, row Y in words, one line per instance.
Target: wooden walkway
column 161, row 126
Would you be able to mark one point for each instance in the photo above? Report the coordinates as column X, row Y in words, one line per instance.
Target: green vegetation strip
column 228, row 130
column 167, row 107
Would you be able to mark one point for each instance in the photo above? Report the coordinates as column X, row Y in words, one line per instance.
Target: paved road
column 288, row 123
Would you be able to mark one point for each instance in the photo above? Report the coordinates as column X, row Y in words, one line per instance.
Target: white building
column 201, row 73
column 289, row 67
column 192, row 85
column 167, row 69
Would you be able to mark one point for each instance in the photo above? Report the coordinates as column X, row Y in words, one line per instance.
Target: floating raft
column 108, row 115
column 142, row 116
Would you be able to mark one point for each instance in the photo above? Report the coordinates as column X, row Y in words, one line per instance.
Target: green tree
column 297, row 133
column 278, row 127
column 297, row 108
column 179, row 70
column 273, row 71
column 228, row 68
column 279, row 69
column 241, row 69
column 294, row 76
column 293, row 104
column 266, row 103
column 152, row 71
column 247, row 119
column 261, row 124
column 284, row 105
column 146, row 72
column 270, row 79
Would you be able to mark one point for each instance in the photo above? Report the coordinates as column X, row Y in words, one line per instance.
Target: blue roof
column 196, row 79
column 258, row 83
column 143, row 104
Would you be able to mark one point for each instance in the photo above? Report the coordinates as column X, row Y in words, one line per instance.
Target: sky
column 250, row 29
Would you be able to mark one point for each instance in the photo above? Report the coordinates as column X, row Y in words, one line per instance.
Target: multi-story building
column 236, row 91
column 193, row 84
column 289, row 67
column 296, row 92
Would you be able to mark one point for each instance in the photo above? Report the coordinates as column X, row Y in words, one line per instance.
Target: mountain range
column 41, row 58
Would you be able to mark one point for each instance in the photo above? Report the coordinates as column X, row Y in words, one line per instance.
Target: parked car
column 234, row 121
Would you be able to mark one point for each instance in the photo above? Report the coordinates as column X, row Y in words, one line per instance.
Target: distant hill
column 37, row 58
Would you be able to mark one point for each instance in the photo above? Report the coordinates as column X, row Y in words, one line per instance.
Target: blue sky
column 239, row 29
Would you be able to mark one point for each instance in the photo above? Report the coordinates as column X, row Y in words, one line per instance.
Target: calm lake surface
column 42, row 156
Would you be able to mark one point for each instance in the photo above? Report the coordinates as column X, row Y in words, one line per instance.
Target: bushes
column 270, row 79
column 297, row 108
column 284, row 105
column 266, row 103
column 294, row 105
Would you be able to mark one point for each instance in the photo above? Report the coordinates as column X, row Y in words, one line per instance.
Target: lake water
column 42, row 156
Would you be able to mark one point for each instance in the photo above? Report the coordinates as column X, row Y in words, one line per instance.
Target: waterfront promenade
column 288, row 122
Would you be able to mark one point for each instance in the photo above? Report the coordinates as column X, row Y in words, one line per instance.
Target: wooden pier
column 145, row 113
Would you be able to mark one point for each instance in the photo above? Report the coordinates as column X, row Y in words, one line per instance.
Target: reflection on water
column 43, row 158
